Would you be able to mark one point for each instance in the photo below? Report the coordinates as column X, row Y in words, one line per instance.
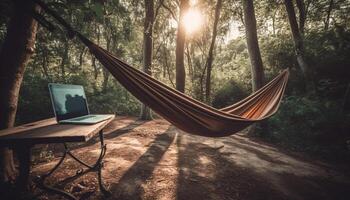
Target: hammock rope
column 182, row 111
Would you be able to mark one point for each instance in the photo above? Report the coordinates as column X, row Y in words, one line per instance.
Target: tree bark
column 106, row 75
column 15, row 52
column 81, row 56
column 257, row 68
column 298, row 42
column 189, row 63
column 302, row 15
column 180, row 46
column 145, row 113
column 329, row 10
column 45, row 63
column 210, row 58
column 65, row 58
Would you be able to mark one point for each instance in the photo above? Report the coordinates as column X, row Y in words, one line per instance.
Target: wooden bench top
column 49, row 131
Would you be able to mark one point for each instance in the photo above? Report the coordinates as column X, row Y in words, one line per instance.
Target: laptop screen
column 68, row 101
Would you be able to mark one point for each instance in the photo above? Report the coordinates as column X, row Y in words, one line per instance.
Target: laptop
column 70, row 105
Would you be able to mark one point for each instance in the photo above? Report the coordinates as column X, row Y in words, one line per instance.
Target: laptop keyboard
column 87, row 119
column 84, row 117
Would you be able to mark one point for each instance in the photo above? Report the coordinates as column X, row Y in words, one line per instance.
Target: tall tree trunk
column 329, row 10
column 94, row 65
column 81, row 56
column 65, row 58
column 302, row 15
column 14, row 55
column 45, row 63
column 147, row 50
column 210, row 58
column 106, row 75
column 257, row 68
column 105, row 72
column 180, row 46
column 298, row 42
column 189, row 62
column 273, row 23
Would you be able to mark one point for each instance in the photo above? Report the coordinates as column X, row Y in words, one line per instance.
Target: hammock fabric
column 187, row 113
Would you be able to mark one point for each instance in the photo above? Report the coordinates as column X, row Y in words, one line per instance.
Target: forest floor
column 154, row 160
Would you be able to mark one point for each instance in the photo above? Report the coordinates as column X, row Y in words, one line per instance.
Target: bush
column 34, row 100
column 312, row 124
column 115, row 99
column 230, row 93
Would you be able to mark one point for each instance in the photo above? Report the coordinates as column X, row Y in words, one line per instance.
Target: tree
column 329, row 10
column 16, row 50
column 302, row 15
column 298, row 41
column 256, row 64
column 210, row 58
column 257, row 69
column 180, row 47
column 147, row 50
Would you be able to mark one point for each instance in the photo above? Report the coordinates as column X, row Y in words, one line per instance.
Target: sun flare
column 193, row 21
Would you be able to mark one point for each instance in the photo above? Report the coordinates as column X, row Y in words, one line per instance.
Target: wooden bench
column 23, row 138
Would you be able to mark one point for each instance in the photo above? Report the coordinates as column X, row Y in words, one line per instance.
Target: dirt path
column 153, row 160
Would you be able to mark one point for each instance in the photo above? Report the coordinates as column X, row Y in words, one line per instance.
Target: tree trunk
column 329, row 10
column 256, row 64
column 45, row 63
column 15, row 52
column 346, row 100
column 257, row 69
column 65, row 58
column 81, row 56
column 189, row 63
column 180, row 46
column 106, row 75
column 211, row 50
column 147, row 50
column 298, row 42
column 94, row 65
column 302, row 15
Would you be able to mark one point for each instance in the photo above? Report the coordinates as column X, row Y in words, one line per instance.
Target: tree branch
column 171, row 12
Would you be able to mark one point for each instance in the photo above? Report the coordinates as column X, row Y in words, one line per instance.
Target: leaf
column 98, row 10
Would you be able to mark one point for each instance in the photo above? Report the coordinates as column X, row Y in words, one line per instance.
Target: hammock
column 187, row 113
column 182, row 111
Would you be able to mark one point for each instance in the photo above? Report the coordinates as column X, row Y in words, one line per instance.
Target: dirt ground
column 154, row 160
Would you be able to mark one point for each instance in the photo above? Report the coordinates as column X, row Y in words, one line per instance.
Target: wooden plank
column 48, row 131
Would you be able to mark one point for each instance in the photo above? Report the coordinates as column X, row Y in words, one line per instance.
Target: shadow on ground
column 153, row 160
column 130, row 184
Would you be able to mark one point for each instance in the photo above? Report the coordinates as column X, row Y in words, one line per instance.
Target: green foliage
column 328, row 53
column 312, row 124
column 113, row 100
column 278, row 52
column 98, row 9
column 229, row 93
column 34, row 100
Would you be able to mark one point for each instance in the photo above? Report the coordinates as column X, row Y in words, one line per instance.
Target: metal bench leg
column 42, row 179
column 97, row 167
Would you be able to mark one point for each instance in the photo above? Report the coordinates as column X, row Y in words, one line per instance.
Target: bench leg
column 41, row 181
column 97, row 167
